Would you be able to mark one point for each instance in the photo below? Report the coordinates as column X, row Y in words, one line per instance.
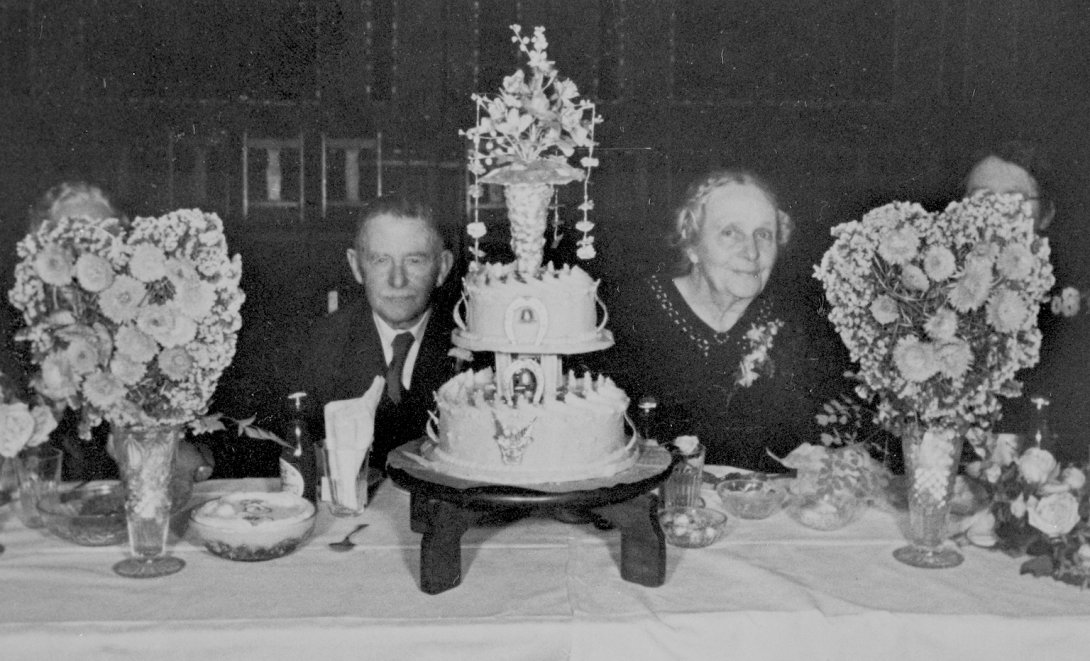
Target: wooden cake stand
column 443, row 508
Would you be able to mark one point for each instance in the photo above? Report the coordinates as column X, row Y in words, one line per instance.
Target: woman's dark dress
column 665, row 350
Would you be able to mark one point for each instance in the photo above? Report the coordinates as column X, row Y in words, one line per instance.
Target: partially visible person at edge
column 401, row 259
column 87, row 460
column 1022, row 168
column 687, row 335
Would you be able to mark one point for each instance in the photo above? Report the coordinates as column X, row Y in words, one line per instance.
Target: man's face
column 399, row 261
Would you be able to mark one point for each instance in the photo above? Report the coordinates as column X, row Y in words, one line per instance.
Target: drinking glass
column 38, row 473
column 347, row 487
column 682, row 488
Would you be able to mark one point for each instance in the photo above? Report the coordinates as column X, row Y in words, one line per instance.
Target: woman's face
column 1003, row 177
column 736, row 245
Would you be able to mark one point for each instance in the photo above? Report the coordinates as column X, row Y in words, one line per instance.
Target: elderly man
column 400, row 258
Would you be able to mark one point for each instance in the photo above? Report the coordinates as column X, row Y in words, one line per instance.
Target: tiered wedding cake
column 526, row 422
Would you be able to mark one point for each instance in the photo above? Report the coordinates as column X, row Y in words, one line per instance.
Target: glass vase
column 145, row 456
column 931, row 460
column 528, row 211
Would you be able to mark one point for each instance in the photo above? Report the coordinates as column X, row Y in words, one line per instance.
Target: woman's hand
column 194, row 460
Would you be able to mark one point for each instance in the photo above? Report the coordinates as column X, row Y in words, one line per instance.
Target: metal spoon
column 346, row 544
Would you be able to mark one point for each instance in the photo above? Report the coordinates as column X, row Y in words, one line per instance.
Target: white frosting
column 248, row 510
column 578, row 435
column 554, row 308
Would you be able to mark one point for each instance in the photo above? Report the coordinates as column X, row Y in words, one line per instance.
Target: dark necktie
column 402, row 342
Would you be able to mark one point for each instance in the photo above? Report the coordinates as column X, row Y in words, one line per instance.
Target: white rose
column 1005, row 450
column 980, row 528
column 686, row 444
column 1084, row 554
column 16, row 428
column 44, row 424
column 1037, row 466
column 1073, row 477
column 1018, row 507
column 1054, row 515
column 992, row 473
column 57, row 380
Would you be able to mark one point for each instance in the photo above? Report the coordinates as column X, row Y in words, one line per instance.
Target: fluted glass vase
column 931, row 461
column 528, row 211
column 145, row 456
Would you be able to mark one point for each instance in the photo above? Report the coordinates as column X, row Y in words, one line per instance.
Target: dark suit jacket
column 344, row 356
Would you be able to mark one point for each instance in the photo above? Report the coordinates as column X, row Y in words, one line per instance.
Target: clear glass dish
column 692, row 527
column 757, row 496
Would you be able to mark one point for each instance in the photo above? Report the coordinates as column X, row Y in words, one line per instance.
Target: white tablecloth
column 537, row 589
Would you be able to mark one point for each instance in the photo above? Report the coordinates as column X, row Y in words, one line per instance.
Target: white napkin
column 350, row 431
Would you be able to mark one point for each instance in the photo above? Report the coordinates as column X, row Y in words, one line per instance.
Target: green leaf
column 1038, row 566
column 207, row 424
column 263, row 435
column 245, row 424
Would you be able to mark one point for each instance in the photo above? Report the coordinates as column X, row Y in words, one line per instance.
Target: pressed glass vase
column 145, row 456
column 931, row 460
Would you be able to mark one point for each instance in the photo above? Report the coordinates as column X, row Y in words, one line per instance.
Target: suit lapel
column 364, row 357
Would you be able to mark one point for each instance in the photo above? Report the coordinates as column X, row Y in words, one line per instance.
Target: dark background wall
column 844, row 104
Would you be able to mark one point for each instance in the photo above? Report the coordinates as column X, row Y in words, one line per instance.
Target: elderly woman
column 741, row 367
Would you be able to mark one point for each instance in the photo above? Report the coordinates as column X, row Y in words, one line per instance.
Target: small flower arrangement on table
column 1033, row 507
column 834, row 479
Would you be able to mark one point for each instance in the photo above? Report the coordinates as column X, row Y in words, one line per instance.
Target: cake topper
column 523, row 140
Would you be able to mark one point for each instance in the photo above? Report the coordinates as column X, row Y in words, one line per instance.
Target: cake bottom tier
column 530, row 445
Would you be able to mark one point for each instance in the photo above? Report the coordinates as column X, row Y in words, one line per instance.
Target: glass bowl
column 253, row 526
column 824, row 512
column 753, row 497
column 692, row 527
column 91, row 515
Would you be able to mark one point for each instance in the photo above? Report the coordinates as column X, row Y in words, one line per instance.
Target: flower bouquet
column 939, row 310
column 1033, row 507
column 523, row 139
column 132, row 324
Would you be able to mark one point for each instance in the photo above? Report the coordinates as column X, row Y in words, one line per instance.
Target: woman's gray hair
column 44, row 208
column 690, row 215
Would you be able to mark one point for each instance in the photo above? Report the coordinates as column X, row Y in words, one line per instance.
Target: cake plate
column 443, row 508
